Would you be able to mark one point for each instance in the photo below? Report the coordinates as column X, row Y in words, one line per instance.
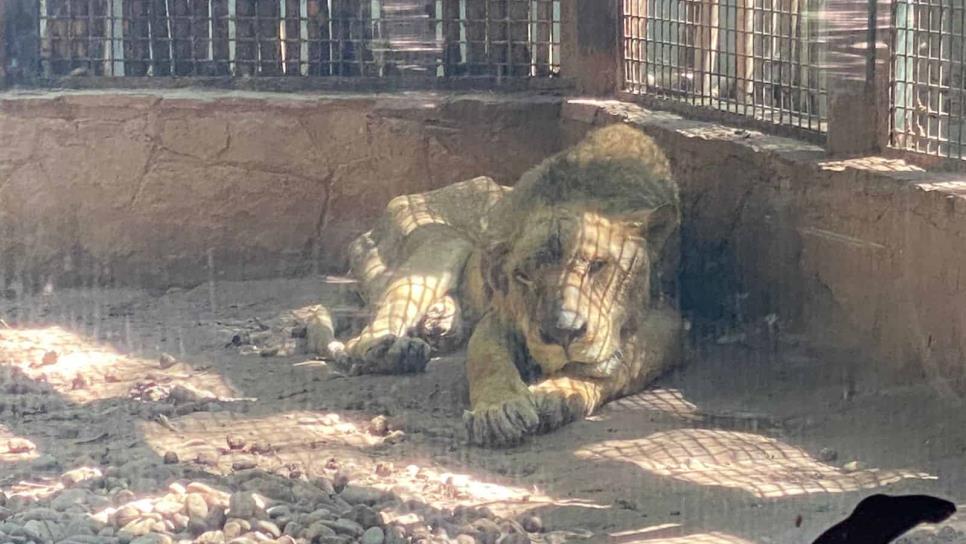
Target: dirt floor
column 157, row 418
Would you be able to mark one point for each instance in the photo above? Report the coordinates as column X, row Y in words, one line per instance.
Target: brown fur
column 562, row 283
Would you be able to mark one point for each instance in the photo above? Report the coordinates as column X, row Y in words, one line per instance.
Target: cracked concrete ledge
column 141, row 187
column 865, row 253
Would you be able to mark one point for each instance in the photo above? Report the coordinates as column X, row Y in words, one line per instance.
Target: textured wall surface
column 864, row 253
column 168, row 188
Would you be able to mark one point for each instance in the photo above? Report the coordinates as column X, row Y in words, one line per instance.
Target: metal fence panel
column 757, row 58
column 373, row 38
column 928, row 78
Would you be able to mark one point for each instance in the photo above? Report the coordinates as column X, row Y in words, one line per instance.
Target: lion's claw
column 557, row 409
column 395, row 355
column 502, row 425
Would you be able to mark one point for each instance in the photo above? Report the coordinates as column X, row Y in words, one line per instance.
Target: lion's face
column 569, row 279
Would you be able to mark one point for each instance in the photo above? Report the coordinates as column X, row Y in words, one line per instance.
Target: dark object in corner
column 878, row 519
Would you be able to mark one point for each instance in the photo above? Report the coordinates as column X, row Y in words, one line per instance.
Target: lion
column 563, row 285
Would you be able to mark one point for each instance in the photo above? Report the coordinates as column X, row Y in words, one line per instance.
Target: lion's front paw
column 557, row 408
column 395, row 355
column 502, row 425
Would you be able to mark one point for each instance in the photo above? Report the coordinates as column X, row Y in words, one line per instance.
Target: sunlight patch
column 762, row 466
column 668, row 401
column 83, row 370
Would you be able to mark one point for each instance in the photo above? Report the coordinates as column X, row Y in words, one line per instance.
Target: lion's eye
column 596, row 266
column 522, row 277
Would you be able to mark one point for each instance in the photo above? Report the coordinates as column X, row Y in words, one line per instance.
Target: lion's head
column 574, row 269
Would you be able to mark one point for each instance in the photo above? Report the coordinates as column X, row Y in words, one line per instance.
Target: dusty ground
column 741, row 446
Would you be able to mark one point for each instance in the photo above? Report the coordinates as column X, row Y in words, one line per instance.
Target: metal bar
column 303, row 37
column 45, row 48
column 282, row 45
column 232, row 36
column 117, row 37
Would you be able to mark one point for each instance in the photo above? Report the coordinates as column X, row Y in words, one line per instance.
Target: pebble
column 346, row 526
column 211, row 537
column 317, row 530
column 216, row 516
column 340, row 481
column 79, row 475
column 272, row 487
column 373, row 535
column 141, row 526
column 50, row 358
column 293, row 528
column 122, row 496
column 267, row 527
column 324, row 485
column 235, row 442
column 244, row 464
column 242, row 505
column 48, row 531
column 195, row 506
column 353, row 494
column 532, row 524
column 379, row 426
column 153, row 538
column 279, row 511
column 68, row 498
column 364, row 515
column 167, row 361
column 168, row 506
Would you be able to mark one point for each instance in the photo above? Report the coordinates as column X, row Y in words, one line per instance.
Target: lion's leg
column 502, row 411
column 390, row 342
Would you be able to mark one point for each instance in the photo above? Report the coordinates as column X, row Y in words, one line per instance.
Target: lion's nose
column 567, row 328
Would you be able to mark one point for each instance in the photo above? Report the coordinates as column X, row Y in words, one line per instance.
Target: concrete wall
column 864, row 253
column 174, row 188
column 163, row 189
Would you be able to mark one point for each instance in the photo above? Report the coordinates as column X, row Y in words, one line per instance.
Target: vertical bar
column 464, row 47
column 45, row 48
column 555, row 38
column 332, row 40
column 117, row 37
column 440, row 38
column 303, row 37
column 710, row 54
column 962, row 80
column 211, row 34
column 232, row 16
column 283, row 47
column 167, row 19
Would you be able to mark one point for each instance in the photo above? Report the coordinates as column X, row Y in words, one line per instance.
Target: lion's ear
column 493, row 262
column 656, row 225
